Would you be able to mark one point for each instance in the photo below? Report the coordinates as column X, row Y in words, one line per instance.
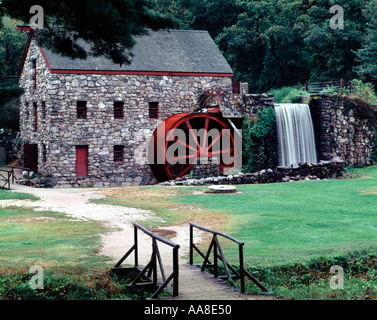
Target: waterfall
column 296, row 142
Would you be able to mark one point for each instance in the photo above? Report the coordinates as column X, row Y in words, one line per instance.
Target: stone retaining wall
column 206, row 167
column 344, row 128
column 322, row 170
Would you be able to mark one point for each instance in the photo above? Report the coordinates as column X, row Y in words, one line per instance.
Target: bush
column 292, row 94
column 359, row 90
column 280, row 94
column 311, row 280
column 364, row 91
column 295, row 96
column 98, row 284
column 259, row 141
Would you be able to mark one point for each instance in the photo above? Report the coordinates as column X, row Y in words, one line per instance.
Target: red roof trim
column 159, row 73
column 24, row 56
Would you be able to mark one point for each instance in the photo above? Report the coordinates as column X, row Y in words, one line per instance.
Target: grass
column 49, row 239
column 311, row 280
column 293, row 232
column 296, row 221
column 66, row 284
column 279, row 223
column 162, row 201
column 66, row 249
column 8, row 195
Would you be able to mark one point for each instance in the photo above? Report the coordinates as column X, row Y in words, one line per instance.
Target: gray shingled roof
column 161, row 51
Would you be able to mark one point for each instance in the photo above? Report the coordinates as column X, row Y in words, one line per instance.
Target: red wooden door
column 81, row 161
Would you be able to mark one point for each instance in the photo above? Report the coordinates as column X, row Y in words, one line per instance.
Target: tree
column 330, row 52
column 107, row 25
column 12, row 44
column 264, row 45
column 367, row 54
column 210, row 15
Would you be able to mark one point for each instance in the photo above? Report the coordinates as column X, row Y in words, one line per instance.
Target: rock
column 222, row 189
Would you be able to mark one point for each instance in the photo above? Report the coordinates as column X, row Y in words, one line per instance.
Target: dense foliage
column 107, row 25
column 311, row 280
column 73, row 284
column 12, row 45
column 259, row 136
column 269, row 43
column 276, row 43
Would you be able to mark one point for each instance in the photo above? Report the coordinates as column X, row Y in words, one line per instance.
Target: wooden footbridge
column 186, row 281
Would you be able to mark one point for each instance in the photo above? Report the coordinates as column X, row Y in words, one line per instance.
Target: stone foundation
column 206, row 167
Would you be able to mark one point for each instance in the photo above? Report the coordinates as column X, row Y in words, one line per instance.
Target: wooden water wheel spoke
column 215, row 140
column 185, row 171
column 206, row 125
column 191, row 130
column 185, row 145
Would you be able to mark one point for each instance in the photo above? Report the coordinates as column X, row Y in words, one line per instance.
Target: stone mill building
column 88, row 122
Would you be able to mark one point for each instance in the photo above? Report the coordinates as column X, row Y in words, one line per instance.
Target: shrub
column 282, row 93
column 359, row 90
column 311, row 279
column 295, row 96
column 364, row 91
column 98, row 284
column 259, row 140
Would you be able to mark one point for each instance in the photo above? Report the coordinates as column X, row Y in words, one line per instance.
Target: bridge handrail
column 218, row 254
column 151, row 266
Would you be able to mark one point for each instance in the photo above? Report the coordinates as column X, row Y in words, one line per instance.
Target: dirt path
column 76, row 203
column 193, row 284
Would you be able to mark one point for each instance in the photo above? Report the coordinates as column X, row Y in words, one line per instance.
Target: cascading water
column 296, row 142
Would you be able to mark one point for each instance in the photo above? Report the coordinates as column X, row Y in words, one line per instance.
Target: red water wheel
column 181, row 139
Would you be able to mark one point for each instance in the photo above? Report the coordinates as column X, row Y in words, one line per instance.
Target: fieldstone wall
column 205, row 167
column 344, row 128
column 241, row 105
column 322, row 170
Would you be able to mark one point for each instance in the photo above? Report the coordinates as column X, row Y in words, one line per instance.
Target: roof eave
column 143, row 72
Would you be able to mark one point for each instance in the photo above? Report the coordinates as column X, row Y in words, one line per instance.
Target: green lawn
column 29, row 237
column 7, row 195
column 65, row 248
column 280, row 222
column 297, row 221
column 293, row 232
